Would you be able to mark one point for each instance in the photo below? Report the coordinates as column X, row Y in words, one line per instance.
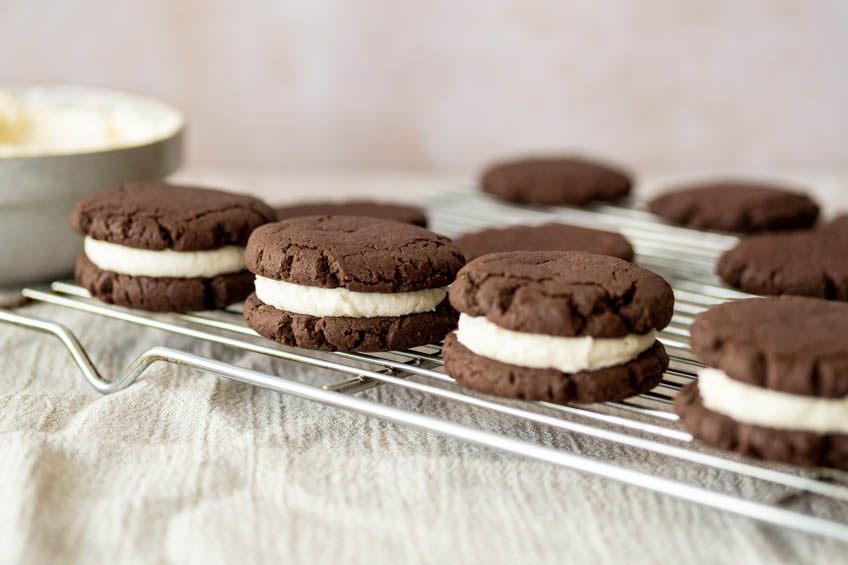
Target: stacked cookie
column 776, row 382
column 558, row 326
column 350, row 283
column 163, row 247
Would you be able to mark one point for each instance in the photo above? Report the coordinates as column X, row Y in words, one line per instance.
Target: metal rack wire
column 686, row 258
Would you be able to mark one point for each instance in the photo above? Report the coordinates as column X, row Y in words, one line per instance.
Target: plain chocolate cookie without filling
column 545, row 237
column 563, row 180
column 806, row 263
column 369, row 209
column 738, row 206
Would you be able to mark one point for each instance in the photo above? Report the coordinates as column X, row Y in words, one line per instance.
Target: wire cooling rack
column 686, row 258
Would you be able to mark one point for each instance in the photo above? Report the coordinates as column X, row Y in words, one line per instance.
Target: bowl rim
column 181, row 121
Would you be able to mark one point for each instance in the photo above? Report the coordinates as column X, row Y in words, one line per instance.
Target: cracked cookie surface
column 544, row 237
column 157, row 215
column 355, row 253
column 740, row 206
column 367, row 208
column 791, row 344
column 806, row 263
column 563, row 294
column 551, row 180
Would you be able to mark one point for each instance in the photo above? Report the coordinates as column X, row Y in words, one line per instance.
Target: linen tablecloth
column 185, row 467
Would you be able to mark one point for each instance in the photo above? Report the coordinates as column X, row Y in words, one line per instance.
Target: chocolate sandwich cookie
column 736, row 205
column 349, row 283
column 545, row 237
column 776, row 381
column 163, row 247
column 382, row 210
column 808, row 263
column 563, row 180
column 558, row 326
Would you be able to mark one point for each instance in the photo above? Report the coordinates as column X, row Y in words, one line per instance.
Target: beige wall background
column 657, row 84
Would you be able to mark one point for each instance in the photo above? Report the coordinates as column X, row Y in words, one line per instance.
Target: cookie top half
column 740, row 206
column 563, row 294
column 549, row 180
column 544, row 237
column 791, row 344
column 367, row 208
column 353, row 252
column 157, row 215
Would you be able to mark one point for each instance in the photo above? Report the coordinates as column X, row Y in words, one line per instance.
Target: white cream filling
column 316, row 301
column 759, row 406
column 166, row 262
column 539, row 351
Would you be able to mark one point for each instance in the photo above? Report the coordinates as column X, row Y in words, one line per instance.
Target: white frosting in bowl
column 59, row 143
column 60, row 120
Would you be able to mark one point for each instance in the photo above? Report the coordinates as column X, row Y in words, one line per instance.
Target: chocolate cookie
column 808, row 263
column 164, row 247
column 356, row 253
column 785, row 343
column 740, row 206
column 563, row 294
column 157, row 215
column 563, row 180
column 775, row 384
column 558, row 327
column 788, row 446
column 369, row 209
column 585, row 387
column 348, row 283
column 545, row 237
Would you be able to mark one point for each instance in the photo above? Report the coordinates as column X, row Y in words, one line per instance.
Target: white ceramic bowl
column 38, row 191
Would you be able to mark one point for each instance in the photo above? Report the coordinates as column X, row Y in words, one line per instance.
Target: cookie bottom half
column 788, row 446
column 331, row 333
column 163, row 294
column 512, row 381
